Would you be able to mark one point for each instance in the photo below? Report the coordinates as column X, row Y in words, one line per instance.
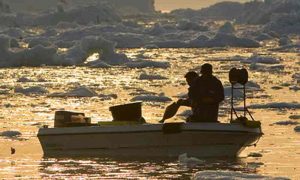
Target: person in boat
column 205, row 94
column 190, row 77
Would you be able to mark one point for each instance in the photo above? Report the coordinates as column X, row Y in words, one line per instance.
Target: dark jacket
column 205, row 94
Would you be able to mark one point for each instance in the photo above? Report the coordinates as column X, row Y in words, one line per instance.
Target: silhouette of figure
column 205, row 94
column 190, row 77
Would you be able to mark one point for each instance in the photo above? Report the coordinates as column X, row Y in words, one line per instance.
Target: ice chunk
column 224, row 175
column 77, row 92
column 152, row 98
column 267, row 67
column 156, row 30
column 189, row 161
column 148, row 63
column 276, row 105
column 294, row 88
column 31, row 90
column 145, row 76
column 263, row 37
column 286, row 123
column 223, row 40
column 285, row 40
column 34, row 41
column 297, row 128
column 227, row 28
column 261, row 59
column 254, row 154
column 24, row 79
column 10, row 134
column 294, row 116
column 238, row 93
column 186, row 113
column 188, row 25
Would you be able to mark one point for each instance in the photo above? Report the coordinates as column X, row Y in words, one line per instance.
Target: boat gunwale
column 148, row 128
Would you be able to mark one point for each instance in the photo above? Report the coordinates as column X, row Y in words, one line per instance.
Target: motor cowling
column 238, row 76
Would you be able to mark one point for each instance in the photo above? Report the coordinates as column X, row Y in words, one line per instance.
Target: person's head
column 206, row 69
column 190, row 77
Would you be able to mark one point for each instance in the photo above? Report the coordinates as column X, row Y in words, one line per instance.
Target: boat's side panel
column 156, row 143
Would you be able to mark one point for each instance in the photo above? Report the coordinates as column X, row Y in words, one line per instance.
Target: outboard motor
column 238, row 79
column 238, row 76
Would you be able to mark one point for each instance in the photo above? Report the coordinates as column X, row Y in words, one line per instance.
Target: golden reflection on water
column 280, row 146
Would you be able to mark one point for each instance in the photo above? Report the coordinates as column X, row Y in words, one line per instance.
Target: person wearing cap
column 190, row 77
column 205, row 94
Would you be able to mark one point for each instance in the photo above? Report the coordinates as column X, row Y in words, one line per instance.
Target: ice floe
column 276, row 105
column 222, row 175
column 189, row 161
column 185, row 113
column 267, row 67
column 77, row 92
column 294, row 88
column 31, row 90
column 147, row 63
column 227, row 28
column 152, row 98
column 294, row 116
column 288, row 122
column 10, row 134
column 24, row 79
column 297, row 128
column 261, row 59
column 145, row 76
column 254, row 154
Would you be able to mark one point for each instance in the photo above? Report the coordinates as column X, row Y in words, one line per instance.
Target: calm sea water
column 279, row 147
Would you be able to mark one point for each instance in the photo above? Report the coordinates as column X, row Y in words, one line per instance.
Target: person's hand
column 180, row 102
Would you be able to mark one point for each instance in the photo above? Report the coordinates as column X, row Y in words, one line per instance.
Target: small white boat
column 168, row 140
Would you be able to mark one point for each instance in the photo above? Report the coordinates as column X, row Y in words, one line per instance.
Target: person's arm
column 184, row 102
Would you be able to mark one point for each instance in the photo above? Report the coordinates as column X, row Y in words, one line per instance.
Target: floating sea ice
column 254, row 154
column 77, row 92
column 185, row 113
column 148, row 63
column 99, row 64
column 261, row 59
column 266, row 67
column 263, row 37
column 189, row 161
column 294, row 117
column 31, row 90
column 295, row 88
column 231, row 175
column 286, row 123
column 185, row 25
column 278, row 105
column 238, row 93
column 227, row 28
column 24, row 79
column 285, row 40
column 297, row 128
column 10, row 133
column 107, row 96
column 34, row 41
column 296, row 76
column 152, row 98
column 157, row 29
column 230, row 40
column 145, row 76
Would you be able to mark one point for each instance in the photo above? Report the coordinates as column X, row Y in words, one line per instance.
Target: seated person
column 205, row 94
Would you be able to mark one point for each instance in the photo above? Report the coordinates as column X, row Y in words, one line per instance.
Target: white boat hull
column 195, row 139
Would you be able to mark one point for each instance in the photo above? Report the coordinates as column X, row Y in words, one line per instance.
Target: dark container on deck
column 127, row 112
column 63, row 118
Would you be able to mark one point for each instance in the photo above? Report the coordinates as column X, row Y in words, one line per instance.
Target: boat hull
column 197, row 139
